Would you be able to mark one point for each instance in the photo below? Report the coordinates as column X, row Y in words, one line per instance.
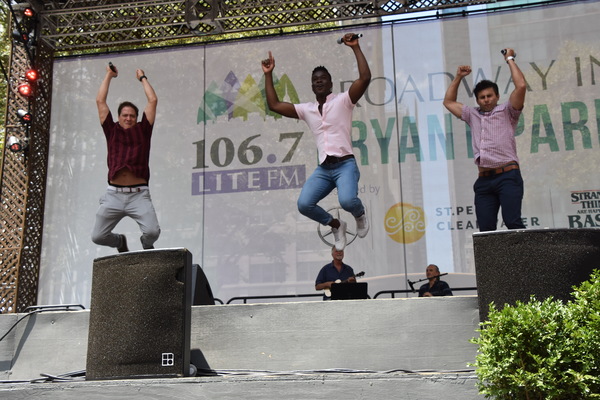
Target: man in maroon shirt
column 128, row 143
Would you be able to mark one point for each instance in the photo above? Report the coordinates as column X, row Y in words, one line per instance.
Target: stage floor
column 417, row 348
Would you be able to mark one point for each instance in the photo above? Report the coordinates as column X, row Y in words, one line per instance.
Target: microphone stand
column 411, row 283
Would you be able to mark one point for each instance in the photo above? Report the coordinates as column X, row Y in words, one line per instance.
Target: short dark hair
column 485, row 84
column 322, row 69
column 129, row 104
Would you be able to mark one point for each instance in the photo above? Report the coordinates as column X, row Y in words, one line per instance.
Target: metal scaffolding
column 72, row 26
column 69, row 25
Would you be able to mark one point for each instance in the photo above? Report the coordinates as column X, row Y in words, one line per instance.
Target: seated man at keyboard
column 493, row 126
column 435, row 286
column 128, row 144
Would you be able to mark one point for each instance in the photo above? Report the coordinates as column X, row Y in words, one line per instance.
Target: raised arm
column 150, row 109
column 102, row 95
column 359, row 86
column 517, row 97
column 280, row 107
column 452, row 92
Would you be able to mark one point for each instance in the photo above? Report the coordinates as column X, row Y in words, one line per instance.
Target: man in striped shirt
column 493, row 126
column 128, row 144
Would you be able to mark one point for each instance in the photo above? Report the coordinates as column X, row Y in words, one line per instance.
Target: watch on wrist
column 142, row 77
column 509, row 58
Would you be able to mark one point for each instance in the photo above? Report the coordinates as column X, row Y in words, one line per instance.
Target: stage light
column 15, row 145
column 25, row 26
column 25, row 89
column 28, row 12
column 31, row 75
column 19, row 36
column 25, row 116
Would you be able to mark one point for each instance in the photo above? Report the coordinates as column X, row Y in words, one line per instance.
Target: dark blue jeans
column 492, row 192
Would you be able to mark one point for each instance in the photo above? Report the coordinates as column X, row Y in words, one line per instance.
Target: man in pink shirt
column 494, row 147
column 330, row 120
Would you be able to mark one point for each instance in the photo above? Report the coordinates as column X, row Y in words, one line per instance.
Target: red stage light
column 31, row 75
column 25, row 116
column 28, row 12
column 21, row 37
column 15, row 145
column 25, row 89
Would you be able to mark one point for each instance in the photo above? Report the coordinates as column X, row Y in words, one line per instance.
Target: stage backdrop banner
column 226, row 173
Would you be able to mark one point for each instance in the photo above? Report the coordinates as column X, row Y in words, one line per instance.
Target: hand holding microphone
column 510, row 57
column 113, row 68
column 354, row 37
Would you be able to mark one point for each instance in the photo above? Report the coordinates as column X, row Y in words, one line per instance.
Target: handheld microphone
column 112, row 67
column 354, row 37
column 503, row 51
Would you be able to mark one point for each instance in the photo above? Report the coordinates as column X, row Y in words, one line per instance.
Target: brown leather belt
column 334, row 160
column 499, row 170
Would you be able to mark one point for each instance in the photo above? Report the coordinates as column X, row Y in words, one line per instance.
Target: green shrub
column 547, row 350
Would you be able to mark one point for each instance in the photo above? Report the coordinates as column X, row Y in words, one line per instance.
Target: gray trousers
column 114, row 206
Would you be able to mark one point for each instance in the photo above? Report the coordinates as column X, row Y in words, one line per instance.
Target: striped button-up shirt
column 493, row 134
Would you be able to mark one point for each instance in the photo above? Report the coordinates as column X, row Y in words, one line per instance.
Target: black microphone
column 503, row 51
column 354, row 37
column 112, row 67
column 411, row 285
column 437, row 276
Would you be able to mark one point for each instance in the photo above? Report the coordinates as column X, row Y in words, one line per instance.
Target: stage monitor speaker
column 202, row 294
column 140, row 315
column 515, row 264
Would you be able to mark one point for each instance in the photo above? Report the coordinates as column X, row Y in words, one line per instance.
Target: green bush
column 547, row 350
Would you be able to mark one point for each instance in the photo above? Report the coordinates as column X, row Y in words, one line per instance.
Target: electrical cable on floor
column 245, row 372
column 66, row 377
column 39, row 309
column 80, row 374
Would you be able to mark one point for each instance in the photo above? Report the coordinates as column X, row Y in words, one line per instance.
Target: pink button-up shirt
column 332, row 129
column 493, row 134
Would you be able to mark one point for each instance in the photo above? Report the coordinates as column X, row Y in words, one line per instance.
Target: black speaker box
column 140, row 315
column 515, row 264
column 202, row 293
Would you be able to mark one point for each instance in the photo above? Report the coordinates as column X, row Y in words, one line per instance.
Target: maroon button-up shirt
column 128, row 148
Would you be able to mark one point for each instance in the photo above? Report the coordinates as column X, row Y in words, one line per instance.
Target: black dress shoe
column 144, row 247
column 123, row 246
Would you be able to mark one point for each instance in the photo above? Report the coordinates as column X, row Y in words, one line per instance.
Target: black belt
column 335, row 160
